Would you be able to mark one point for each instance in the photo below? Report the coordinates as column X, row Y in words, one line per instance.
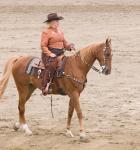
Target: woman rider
column 53, row 44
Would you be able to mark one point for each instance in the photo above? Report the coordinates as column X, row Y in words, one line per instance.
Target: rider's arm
column 44, row 44
column 65, row 43
column 68, row 46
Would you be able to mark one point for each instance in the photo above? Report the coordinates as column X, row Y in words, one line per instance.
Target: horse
column 76, row 68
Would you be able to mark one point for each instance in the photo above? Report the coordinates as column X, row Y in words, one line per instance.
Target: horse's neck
column 82, row 61
column 88, row 57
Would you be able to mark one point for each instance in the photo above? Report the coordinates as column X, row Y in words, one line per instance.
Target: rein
column 92, row 67
column 95, row 69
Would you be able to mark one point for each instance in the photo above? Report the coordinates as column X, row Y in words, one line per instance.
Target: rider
column 53, row 44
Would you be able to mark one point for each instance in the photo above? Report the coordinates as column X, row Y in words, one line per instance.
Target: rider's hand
column 72, row 47
column 52, row 55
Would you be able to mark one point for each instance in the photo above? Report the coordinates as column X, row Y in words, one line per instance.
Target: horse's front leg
column 70, row 114
column 75, row 99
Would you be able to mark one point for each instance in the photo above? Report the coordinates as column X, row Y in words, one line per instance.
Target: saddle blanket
column 35, row 67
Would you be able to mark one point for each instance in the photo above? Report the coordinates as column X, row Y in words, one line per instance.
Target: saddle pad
column 36, row 66
column 34, row 63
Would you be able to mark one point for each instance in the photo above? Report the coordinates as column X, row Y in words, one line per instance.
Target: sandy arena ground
column 111, row 104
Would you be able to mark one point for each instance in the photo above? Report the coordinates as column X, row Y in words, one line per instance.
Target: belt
column 56, row 51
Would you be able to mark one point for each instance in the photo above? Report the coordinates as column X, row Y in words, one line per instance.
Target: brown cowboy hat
column 53, row 16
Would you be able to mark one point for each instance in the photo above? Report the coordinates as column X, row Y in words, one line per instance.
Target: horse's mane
column 90, row 50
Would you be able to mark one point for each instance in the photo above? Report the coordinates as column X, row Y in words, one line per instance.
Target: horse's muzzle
column 106, row 71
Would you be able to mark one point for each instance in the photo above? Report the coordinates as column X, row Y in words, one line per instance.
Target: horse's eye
column 107, row 54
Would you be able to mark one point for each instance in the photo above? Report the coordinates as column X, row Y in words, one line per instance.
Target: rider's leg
column 48, row 74
column 60, row 66
column 45, row 74
column 45, row 82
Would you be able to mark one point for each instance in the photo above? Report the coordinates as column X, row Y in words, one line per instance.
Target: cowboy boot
column 46, row 89
column 45, row 82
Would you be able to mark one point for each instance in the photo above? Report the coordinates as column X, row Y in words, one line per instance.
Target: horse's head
column 104, row 56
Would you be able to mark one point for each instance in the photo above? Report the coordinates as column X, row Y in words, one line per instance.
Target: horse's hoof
column 16, row 126
column 29, row 132
column 85, row 140
column 83, row 137
column 26, row 129
column 69, row 133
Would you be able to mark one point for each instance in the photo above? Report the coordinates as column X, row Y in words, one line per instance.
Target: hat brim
column 58, row 18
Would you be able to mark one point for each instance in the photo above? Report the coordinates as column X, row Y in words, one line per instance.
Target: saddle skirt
column 36, row 66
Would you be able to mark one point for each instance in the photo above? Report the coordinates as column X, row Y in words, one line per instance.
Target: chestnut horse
column 76, row 68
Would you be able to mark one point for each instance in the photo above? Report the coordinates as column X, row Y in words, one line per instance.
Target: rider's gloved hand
column 72, row 47
column 52, row 55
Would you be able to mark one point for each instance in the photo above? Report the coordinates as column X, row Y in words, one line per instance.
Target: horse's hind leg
column 24, row 94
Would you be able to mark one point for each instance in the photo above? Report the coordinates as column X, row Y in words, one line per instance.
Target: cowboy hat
column 53, row 16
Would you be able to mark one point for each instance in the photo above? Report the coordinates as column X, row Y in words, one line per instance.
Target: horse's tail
column 6, row 74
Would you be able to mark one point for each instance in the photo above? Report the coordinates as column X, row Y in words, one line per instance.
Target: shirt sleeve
column 66, row 44
column 44, row 43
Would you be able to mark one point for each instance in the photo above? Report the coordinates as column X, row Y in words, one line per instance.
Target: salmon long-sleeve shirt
column 53, row 39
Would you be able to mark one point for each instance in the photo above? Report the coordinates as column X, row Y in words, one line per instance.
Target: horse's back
column 19, row 68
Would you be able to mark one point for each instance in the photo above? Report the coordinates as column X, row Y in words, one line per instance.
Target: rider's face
column 54, row 24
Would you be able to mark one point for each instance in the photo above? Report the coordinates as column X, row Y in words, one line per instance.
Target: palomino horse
column 73, row 83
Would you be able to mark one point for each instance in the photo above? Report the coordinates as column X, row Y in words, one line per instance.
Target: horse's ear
column 108, row 41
